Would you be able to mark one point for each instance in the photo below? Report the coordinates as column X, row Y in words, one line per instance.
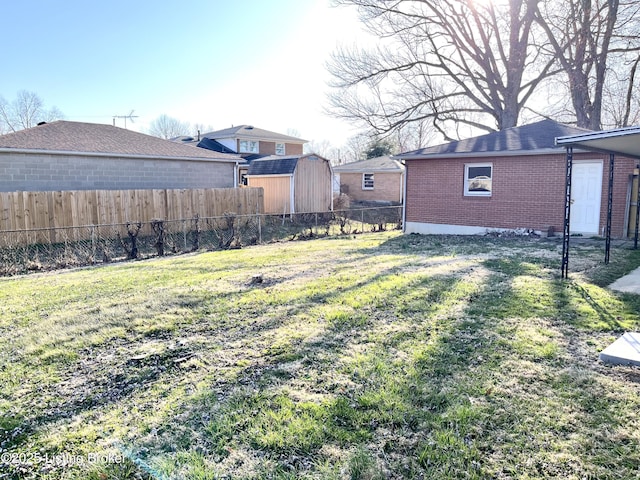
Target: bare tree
column 199, row 129
column 355, row 147
column 483, row 65
column 168, row 127
column 620, row 100
column 445, row 61
column 585, row 36
column 25, row 111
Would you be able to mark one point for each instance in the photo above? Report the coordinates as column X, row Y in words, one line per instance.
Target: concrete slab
column 629, row 283
column 624, row 351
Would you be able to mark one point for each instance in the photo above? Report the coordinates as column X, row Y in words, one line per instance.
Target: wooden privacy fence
column 52, row 210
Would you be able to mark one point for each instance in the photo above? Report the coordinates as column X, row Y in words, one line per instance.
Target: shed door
column 586, row 191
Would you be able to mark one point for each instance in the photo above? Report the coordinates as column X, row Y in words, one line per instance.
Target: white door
column 586, row 191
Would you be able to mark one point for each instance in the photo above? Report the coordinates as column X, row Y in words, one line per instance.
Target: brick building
column 513, row 179
column 376, row 180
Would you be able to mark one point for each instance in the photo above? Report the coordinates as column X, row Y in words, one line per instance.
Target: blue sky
column 215, row 62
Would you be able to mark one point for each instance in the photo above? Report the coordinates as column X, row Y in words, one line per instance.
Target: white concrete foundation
column 624, row 351
column 442, row 229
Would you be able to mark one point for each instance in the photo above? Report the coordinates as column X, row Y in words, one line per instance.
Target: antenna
column 131, row 116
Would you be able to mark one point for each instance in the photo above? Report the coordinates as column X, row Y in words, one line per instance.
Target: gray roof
column 249, row 132
column 100, row 139
column 378, row 164
column 274, row 165
column 532, row 138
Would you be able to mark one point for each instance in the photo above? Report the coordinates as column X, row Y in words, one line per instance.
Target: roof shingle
column 378, row 164
column 526, row 138
column 273, row 165
column 250, row 132
column 93, row 138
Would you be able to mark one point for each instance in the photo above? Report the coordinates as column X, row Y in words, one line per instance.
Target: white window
column 477, row 179
column 280, row 149
column 248, row 146
column 367, row 181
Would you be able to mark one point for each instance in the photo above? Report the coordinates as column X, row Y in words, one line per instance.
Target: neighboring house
column 293, row 184
column 377, row 180
column 512, row 179
column 66, row 155
column 249, row 142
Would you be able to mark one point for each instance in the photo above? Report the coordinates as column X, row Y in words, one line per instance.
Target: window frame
column 281, row 148
column 371, row 180
column 248, row 144
column 477, row 193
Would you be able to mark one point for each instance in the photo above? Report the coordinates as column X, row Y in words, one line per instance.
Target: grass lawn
column 368, row 357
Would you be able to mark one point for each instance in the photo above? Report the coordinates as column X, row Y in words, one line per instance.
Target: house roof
column 99, row 139
column 249, row 132
column 274, row 165
column 378, row 164
column 214, row 145
column 623, row 141
column 534, row 138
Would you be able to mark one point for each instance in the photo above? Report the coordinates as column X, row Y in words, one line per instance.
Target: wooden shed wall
column 312, row 185
column 277, row 192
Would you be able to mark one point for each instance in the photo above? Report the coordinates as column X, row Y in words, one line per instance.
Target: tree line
column 489, row 64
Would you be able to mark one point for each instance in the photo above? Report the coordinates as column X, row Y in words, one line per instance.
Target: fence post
column 362, row 221
column 184, row 234
column 259, row 228
column 93, row 242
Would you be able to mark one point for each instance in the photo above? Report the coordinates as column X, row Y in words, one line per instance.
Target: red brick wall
column 528, row 192
column 622, row 169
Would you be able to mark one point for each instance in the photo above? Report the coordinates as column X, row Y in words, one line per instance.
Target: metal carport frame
column 620, row 141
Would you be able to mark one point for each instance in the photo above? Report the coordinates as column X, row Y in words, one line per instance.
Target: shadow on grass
column 441, row 376
column 263, row 411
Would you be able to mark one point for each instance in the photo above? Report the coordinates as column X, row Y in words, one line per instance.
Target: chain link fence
column 49, row 249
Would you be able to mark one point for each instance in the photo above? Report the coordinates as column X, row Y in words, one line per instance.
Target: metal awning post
column 607, row 245
column 635, row 235
column 567, row 215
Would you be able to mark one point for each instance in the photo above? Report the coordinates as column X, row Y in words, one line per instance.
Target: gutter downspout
column 235, row 175
column 404, row 197
column 331, row 186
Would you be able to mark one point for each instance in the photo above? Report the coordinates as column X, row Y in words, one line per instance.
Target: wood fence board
column 84, row 208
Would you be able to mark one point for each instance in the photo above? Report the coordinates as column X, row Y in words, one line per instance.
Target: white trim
column 404, row 200
column 251, row 144
column 584, row 137
column 364, row 187
column 292, row 195
column 465, row 189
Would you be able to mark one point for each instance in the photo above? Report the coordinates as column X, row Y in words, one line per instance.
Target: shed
column 376, row 180
column 293, row 184
column 514, row 179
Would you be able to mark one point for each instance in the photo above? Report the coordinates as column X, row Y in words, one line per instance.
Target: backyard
column 366, row 356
